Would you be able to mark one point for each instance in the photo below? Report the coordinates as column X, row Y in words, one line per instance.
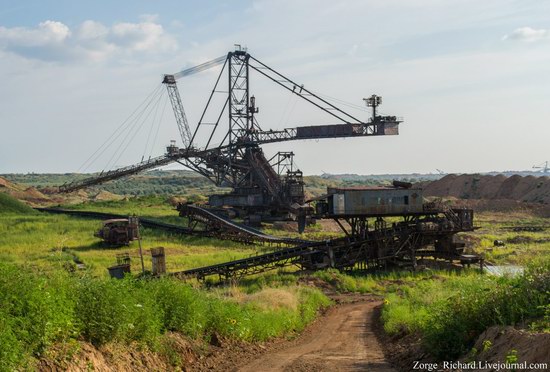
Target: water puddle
column 501, row 270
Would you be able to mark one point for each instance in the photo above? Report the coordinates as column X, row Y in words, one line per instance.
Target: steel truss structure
column 260, row 187
column 430, row 233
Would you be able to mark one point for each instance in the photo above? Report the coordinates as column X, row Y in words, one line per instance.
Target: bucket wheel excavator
column 262, row 188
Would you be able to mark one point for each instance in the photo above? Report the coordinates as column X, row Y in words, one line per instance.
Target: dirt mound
column 4, row 182
column 50, row 196
column 28, row 195
column 474, row 186
column 496, row 343
column 503, row 206
column 117, row 357
column 7, row 185
column 106, row 196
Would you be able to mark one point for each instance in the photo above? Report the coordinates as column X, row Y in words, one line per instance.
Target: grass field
column 54, row 241
column 521, row 245
column 38, row 252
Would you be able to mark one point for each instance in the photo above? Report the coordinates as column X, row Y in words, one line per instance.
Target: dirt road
column 342, row 340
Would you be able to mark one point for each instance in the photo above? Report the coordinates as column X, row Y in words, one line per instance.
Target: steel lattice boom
column 238, row 161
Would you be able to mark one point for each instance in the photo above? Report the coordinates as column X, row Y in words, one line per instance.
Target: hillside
column 34, row 197
column 529, row 189
column 29, row 195
column 9, row 204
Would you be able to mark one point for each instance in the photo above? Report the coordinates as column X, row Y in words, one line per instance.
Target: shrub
column 451, row 311
column 11, row 348
column 121, row 310
column 37, row 310
column 183, row 308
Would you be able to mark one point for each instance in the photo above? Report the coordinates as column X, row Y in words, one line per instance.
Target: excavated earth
column 493, row 193
column 474, row 186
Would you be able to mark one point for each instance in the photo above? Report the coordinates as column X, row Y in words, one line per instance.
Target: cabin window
column 406, row 199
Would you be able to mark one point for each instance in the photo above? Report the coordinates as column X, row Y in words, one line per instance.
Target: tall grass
column 34, row 312
column 52, row 241
column 38, row 310
column 9, row 205
column 450, row 314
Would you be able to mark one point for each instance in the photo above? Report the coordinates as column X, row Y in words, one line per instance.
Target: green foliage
column 11, row 349
column 116, row 310
column 10, row 205
column 543, row 324
column 450, row 314
column 511, row 357
column 184, row 309
column 350, row 283
column 35, row 311
column 38, row 309
column 268, row 280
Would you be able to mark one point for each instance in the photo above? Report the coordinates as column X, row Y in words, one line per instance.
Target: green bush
column 37, row 310
column 184, row 309
column 11, row 349
column 119, row 310
column 9, row 204
column 451, row 312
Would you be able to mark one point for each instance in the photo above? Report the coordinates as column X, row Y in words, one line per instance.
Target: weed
column 38, row 309
column 511, row 356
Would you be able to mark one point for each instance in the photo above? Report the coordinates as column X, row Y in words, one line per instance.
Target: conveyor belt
column 226, row 229
column 401, row 241
column 246, row 234
column 255, row 264
column 147, row 222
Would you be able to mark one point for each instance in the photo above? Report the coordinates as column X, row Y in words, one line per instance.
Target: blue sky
column 471, row 78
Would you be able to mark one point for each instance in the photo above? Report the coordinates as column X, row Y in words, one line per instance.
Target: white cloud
column 149, row 17
column 92, row 40
column 89, row 30
column 528, row 34
column 145, row 36
column 48, row 32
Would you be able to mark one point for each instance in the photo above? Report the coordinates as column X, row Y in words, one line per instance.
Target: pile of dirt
column 49, row 196
column 7, row 186
column 528, row 189
column 176, row 353
column 496, row 343
column 118, row 357
column 106, row 196
column 29, row 195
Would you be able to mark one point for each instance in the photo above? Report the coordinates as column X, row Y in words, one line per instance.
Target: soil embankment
column 496, row 344
column 528, row 189
column 493, row 193
column 342, row 339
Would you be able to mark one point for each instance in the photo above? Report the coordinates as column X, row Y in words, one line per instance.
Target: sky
column 470, row 78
